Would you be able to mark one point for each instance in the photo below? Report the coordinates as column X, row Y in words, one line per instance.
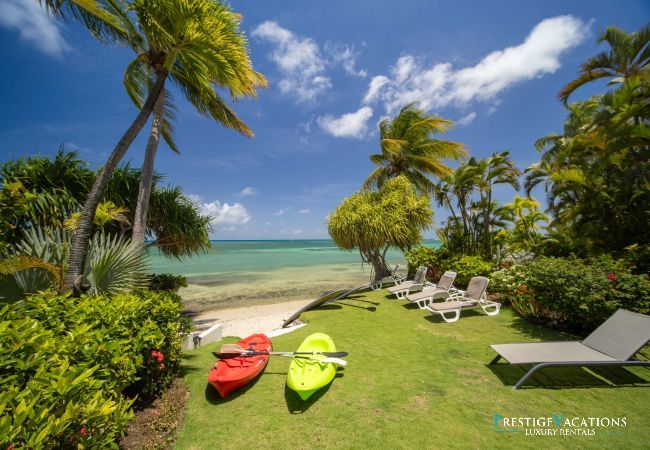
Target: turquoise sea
column 243, row 273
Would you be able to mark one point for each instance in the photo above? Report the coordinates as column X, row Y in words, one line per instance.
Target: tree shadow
column 355, row 298
column 538, row 331
column 296, row 405
column 568, row 377
column 186, row 364
column 329, row 307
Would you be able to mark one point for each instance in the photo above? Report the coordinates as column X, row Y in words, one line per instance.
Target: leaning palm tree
column 143, row 73
column 409, row 149
column 629, row 57
column 195, row 43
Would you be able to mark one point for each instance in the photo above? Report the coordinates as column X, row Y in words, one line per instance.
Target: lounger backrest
column 420, row 275
column 395, row 269
column 621, row 336
column 476, row 288
column 446, row 280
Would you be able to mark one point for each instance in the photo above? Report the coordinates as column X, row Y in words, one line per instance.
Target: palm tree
column 629, row 57
column 195, row 43
column 163, row 113
column 408, row 149
column 498, row 168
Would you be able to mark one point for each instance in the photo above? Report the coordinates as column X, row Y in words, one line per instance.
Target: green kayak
column 307, row 375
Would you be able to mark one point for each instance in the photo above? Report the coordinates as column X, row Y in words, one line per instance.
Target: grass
column 412, row 381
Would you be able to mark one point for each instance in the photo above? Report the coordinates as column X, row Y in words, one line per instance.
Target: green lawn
column 412, row 381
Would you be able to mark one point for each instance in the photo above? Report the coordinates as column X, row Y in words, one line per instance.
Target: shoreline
column 247, row 320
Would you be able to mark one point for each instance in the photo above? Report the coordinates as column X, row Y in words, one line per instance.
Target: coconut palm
column 409, row 149
column 163, row 112
column 629, row 57
column 195, row 43
column 498, row 168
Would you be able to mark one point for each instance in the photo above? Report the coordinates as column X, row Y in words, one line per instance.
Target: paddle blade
column 226, row 355
column 333, row 354
column 231, row 348
column 371, row 308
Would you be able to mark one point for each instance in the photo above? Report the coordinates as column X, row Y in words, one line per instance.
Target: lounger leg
column 495, row 359
column 401, row 294
column 496, row 306
column 453, row 319
column 523, row 379
column 376, row 286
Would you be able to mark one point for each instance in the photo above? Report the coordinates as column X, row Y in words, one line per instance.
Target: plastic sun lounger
column 614, row 343
column 474, row 297
column 395, row 277
column 426, row 296
column 406, row 287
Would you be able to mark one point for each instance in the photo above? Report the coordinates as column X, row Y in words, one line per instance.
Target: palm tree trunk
column 486, row 224
column 81, row 237
column 146, row 177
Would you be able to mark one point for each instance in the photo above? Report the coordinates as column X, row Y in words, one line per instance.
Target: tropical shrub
column 571, row 293
column 166, row 282
column 466, row 267
column 426, row 256
column 374, row 221
column 115, row 264
column 71, row 368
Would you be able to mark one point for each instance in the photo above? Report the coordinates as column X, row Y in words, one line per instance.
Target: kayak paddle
column 233, row 351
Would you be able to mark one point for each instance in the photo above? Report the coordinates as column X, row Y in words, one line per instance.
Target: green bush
column 571, row 293
column 466, row 267
column 70, row 369
column 166, row 282
column 430, row 257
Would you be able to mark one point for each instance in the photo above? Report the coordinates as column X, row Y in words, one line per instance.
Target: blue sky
column 335, row 69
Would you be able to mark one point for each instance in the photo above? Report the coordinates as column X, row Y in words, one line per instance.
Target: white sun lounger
column 395, row 277
column 614, row 343
column 444, row 287
column 474, row 297
column 406, row 287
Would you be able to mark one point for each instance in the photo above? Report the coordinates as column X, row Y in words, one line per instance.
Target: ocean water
column 244, row 273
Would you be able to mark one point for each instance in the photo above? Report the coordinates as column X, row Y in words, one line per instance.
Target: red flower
column 83, row 431
column 611, row 277
column 158, row 356
column 11, row 447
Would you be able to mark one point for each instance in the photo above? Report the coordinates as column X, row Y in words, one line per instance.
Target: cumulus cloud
column 222, row 213
column 304, row 211
column 247, row 192
column 441, row 84
column 466, row 120
column 34, row 25
column 299, row 60
column 354, row 125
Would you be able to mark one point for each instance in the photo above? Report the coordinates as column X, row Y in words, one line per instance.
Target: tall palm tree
column 629, row 57
column 195, row 43
column 498, row 168
column 408, row 148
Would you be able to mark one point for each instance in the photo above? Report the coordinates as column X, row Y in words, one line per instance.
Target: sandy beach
column 245, row 321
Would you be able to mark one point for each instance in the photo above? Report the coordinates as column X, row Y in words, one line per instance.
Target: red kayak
column 229, row 374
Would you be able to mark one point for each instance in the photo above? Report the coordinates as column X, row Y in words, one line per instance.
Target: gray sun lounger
column 614, row 343
column 474, row 297
column 395, row 278
column 429, row 293
column 406, row 287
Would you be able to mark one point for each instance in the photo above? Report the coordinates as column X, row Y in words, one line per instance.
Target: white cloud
column 354, row 125
column 281, row 212
column 34, row 25
column 440, row 85
column 466, row 120
column 297, row 231
column 304, row 211
column 247, row 192
column 299, row 60
column 222, row 214
column 346, row 56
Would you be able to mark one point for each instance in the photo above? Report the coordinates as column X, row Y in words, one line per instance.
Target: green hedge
column 467, row 267
column 571, row 293
column 425, row 256
column 70, row 369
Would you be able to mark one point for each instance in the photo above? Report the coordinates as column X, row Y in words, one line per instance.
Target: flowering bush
column 426, row 256
column 71, row 368
column 572, row 293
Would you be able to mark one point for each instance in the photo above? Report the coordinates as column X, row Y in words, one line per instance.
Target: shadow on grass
column 213, row 397
column 296, row 405
column 569, row 377
column 186, row 364
column 410, row 305
column 464, row 314
column 329, row 307
column 539, row 332
column 355, row 298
